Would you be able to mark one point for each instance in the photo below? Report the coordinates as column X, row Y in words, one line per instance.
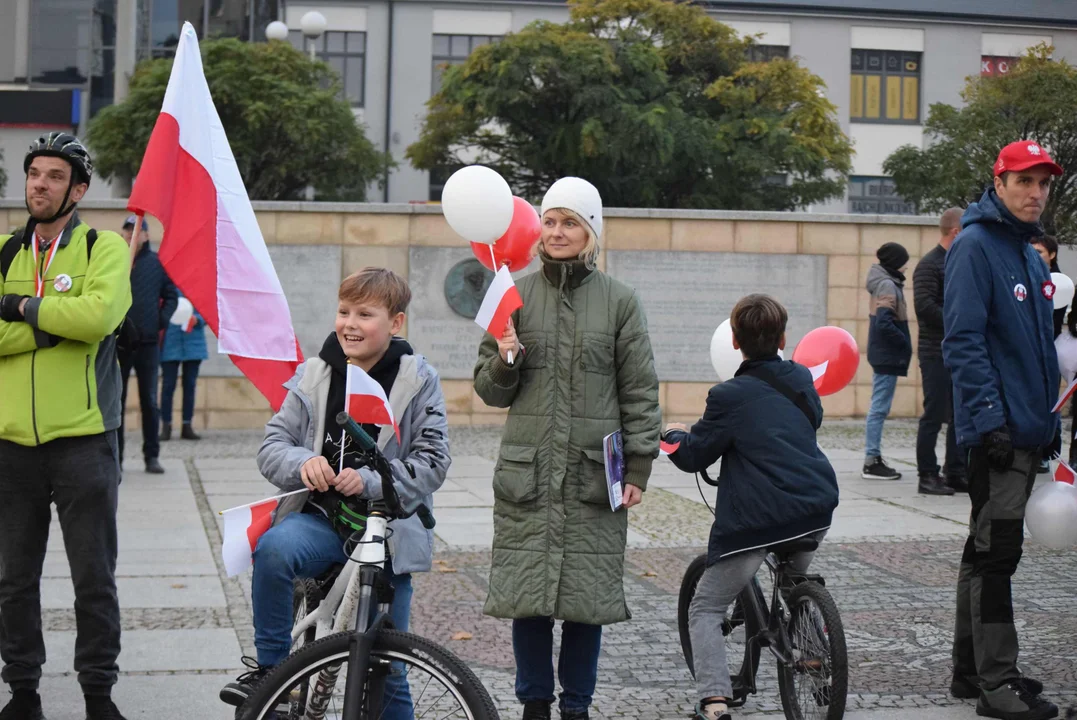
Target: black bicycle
column 801, row 628
column 357, row 673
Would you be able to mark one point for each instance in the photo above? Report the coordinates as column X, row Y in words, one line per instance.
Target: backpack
column 11, row 249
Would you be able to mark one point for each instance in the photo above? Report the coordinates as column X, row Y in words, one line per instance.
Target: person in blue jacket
column 775, row 483
column 187, row 348
column 999, row 347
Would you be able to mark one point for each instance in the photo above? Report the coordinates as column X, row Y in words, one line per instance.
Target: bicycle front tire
column 456, row 677
column 825, row 698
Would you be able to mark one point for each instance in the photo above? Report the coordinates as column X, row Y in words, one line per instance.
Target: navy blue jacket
column 999, row 342
column 153, row 296
column 889, row 343
column 775, row 483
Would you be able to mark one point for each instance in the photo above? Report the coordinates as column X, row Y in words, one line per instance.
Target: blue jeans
column 305, row 545
column 169, row 373
column 577, row 668
column 882, row 396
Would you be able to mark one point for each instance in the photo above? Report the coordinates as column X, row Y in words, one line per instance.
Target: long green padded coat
column 587, row 370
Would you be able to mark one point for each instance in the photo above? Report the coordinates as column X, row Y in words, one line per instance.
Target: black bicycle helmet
column 66, row 146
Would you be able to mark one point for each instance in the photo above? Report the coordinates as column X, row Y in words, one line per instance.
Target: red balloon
column 835, row 347
column 514, row 247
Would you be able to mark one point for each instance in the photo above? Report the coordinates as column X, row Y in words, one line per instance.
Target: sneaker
column 967, row 687
column 712, row 711
column 933, row 485
column 24, row 705
column 153, row 466
column 574, row 714
column 536, row 710
column 236, row 693
column 1044, row 468
column 959, row 483
column 1014, row 701
column 878, row 470
column 102, row 708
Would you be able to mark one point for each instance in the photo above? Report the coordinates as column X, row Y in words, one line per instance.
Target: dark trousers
column 81, row 476
column 985, row 639
column 938, row 409
column 169, row 373
column 577, row 668
column 144, row 360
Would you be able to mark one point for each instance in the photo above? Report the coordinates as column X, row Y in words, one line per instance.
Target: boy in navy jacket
column 775, row 483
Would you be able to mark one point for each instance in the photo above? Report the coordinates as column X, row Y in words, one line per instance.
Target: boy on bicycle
column 775, row 483
column 305, row 447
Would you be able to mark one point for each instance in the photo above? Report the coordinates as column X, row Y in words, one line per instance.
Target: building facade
column 61, row 60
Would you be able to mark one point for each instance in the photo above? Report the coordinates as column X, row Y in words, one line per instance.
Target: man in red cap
column 999, row 347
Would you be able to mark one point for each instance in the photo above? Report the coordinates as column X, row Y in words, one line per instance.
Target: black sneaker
column 24, row 705
column 1014, row 701
column 537, row 710
column 102, row 708
column 933, row 485
column 712, row 711
column 236, row 693
column 574, row 714
column 959, row 483
column 967, row 687
column 878, row 470
column 153, row 466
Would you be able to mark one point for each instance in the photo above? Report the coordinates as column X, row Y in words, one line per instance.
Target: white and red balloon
column 477, row 204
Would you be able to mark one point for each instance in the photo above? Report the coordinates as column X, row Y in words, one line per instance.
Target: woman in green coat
column 582, row 368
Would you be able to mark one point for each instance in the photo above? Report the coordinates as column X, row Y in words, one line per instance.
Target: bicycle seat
column 797, row 545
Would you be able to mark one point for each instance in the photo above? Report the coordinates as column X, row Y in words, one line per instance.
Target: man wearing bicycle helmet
column 64, row 289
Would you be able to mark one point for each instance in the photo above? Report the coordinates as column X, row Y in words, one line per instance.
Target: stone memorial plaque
column 686, row 295
column 310, row 276
column 449, row 339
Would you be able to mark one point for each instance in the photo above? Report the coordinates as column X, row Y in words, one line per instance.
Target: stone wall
column 314, row 245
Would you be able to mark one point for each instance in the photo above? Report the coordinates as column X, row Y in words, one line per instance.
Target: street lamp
column 313, row 25
column 276, row 30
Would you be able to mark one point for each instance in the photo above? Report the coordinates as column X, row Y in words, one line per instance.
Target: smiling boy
column 303, row 447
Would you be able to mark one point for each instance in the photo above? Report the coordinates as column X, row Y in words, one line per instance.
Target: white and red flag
column 212, row 247
column 365, row 401
column 1065, row 396
column 243, row 526
column 1064, row 473
column 667, row 448
column 501, row 301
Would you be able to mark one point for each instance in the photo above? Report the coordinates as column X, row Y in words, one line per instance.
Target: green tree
column 653, row 101
column 283, row 114
column 1036, row 101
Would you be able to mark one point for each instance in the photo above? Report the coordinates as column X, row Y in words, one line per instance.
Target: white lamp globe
column 313, row 24
column 276, row 30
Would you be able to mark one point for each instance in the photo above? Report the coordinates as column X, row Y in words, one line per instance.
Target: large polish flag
column 243, row 526
column 212, row 246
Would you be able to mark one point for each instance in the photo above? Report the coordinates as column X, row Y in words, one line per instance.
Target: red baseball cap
column 1022, row 155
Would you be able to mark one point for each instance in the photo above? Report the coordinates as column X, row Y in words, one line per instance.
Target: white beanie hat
column 579, row 196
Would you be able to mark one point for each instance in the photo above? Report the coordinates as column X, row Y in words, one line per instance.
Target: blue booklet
column 613, row 450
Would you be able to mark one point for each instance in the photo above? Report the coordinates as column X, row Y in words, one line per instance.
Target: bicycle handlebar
column 381, row 465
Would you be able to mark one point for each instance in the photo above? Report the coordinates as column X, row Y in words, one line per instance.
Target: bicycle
column 801, row 628
column 351, row 625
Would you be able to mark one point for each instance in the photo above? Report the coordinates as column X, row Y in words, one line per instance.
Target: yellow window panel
column 893, row 98
column 911, row 104
column 873, row 99
column 856, row 96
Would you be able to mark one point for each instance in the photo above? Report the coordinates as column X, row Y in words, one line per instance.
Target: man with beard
column 64, row 289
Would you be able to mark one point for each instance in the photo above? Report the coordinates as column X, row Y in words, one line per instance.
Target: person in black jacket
column 927, row 282
column 775, row 483
column 153, row 300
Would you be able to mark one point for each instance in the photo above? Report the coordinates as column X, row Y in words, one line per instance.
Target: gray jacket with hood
column 419, row 461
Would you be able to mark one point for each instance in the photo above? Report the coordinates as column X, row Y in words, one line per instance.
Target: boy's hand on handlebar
column 317, row 474
column 349, row 482
column 677, row 426
column 633, row 496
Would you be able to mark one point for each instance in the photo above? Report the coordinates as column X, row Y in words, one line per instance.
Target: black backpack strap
column 797, row 398
column 91, row 238
column 9, row 251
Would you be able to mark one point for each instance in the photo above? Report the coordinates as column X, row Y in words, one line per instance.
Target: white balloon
column 477, row 203
column 1051, row 515
column 725, row 359
column 183, row 313
column 1063, row 290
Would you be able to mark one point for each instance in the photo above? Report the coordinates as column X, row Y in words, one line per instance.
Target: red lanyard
column 39, row 273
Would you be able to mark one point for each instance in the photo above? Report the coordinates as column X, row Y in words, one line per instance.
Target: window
column 877, row 196
column 885, row 87
column 345, row 52
column 991, row 66
column 438, row 177
column 59, row 42
column 103, row 60
column 765, row 53
column 453, row 50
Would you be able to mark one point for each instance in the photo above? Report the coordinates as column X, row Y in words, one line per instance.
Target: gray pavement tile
column 145, row 592
column 156, row 650
column 135, row 562
column 145, row 697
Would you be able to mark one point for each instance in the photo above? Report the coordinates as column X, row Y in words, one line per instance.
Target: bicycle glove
column 9, row 308
column 999, row 449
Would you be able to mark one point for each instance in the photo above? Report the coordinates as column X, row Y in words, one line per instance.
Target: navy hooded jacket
column 999, row 341
column 775, row 483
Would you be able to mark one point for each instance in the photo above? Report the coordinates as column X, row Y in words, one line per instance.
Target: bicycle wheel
column 310, row 683
column 305, row 599
column 736, row 629
column 815, row 686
